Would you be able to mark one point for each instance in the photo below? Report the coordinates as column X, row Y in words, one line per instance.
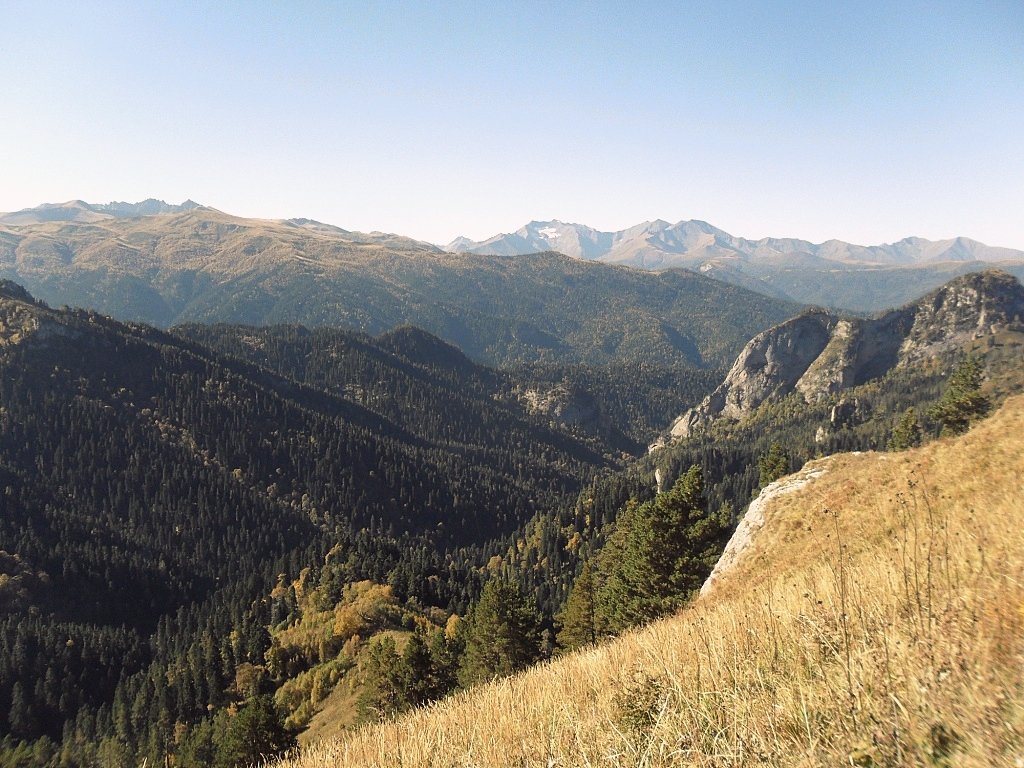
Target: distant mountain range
column 833, row 273
column 661, row 245
column 164, row 263
column 202, row 265
column 78, row 210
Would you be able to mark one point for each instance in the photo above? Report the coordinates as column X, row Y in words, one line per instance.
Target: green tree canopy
column 502, row 634
column 772, row 465
column 962, row 402
column 907, row 432
column 384, row 680
column 578, row 619
column 660, row 554
column 253, row 735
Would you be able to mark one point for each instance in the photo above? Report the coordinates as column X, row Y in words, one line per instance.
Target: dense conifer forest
column 211, row 534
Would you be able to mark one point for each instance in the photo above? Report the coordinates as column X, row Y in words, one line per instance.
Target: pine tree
column 660, row 555
column 502, row 634
column 199, row 748
column 19, row 717
column 772, row 465
column 579, row 626
column 253, row 735
column 907, row 432
column 382, row 694
column 445, row 651
column 415, row 673
column 962, row 402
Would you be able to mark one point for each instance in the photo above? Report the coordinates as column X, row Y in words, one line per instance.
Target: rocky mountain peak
column 770, row 365
column 819, row 354
column 968, row 307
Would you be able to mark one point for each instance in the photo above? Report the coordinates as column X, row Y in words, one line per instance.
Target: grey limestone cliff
column 819, row 354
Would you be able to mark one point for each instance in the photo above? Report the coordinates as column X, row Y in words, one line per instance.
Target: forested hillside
column 430, row 387
column 873, row 620
column 202, row 265
column 152, row 486
column 222, row 535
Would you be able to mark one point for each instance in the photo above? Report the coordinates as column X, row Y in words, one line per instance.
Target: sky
column 862, row 121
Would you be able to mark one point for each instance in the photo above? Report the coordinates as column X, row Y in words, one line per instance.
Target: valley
column 864, row 624
column 338, row 466
column 325, row 444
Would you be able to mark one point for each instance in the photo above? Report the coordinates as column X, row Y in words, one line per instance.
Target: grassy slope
column 888, row 631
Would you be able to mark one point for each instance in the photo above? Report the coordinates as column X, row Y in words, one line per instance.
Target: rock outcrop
column 771, row 364
column 754, row 518
column 819, row 354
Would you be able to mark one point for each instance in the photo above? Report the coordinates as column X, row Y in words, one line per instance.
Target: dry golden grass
column 877, row 619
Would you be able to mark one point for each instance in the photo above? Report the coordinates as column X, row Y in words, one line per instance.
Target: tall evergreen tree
column 907, row 432
column 579, row 625
column 962, row 401
column 502, row 634
column 665, row 548
column 415, row 672
column 383, row 684
column 772, row 465
column 252, row 736
column 445, row 652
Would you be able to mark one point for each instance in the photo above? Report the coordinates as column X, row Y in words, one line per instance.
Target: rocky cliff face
column 967, row 308
column 770, row 365
column 569, row 405
column 819, row 354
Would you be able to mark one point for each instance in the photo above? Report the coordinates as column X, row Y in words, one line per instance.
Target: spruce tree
column 415, row 673
column 445, row 652
column 660, row 554
column 579, row 618
column 907, row 432
column 252, row 736
column 962, row 402
column 383, row 683
column 772, row 465
column 502, row 634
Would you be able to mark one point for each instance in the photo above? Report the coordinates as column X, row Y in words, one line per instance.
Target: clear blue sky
column 865, row 121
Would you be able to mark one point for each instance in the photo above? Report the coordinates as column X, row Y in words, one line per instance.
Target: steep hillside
column 153, row 489
column 818, row 354
column 411, row 377
column 834, row 273
column 205, row 266
column 874, row 619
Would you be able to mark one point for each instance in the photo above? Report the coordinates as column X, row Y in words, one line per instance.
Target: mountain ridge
column 204, row 265
column 689, row 242
column 79, row 210
column 833, row 273
column 818, row 353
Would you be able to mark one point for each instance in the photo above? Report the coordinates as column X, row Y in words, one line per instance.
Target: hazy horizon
column 866, row 123
column 444, row 243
